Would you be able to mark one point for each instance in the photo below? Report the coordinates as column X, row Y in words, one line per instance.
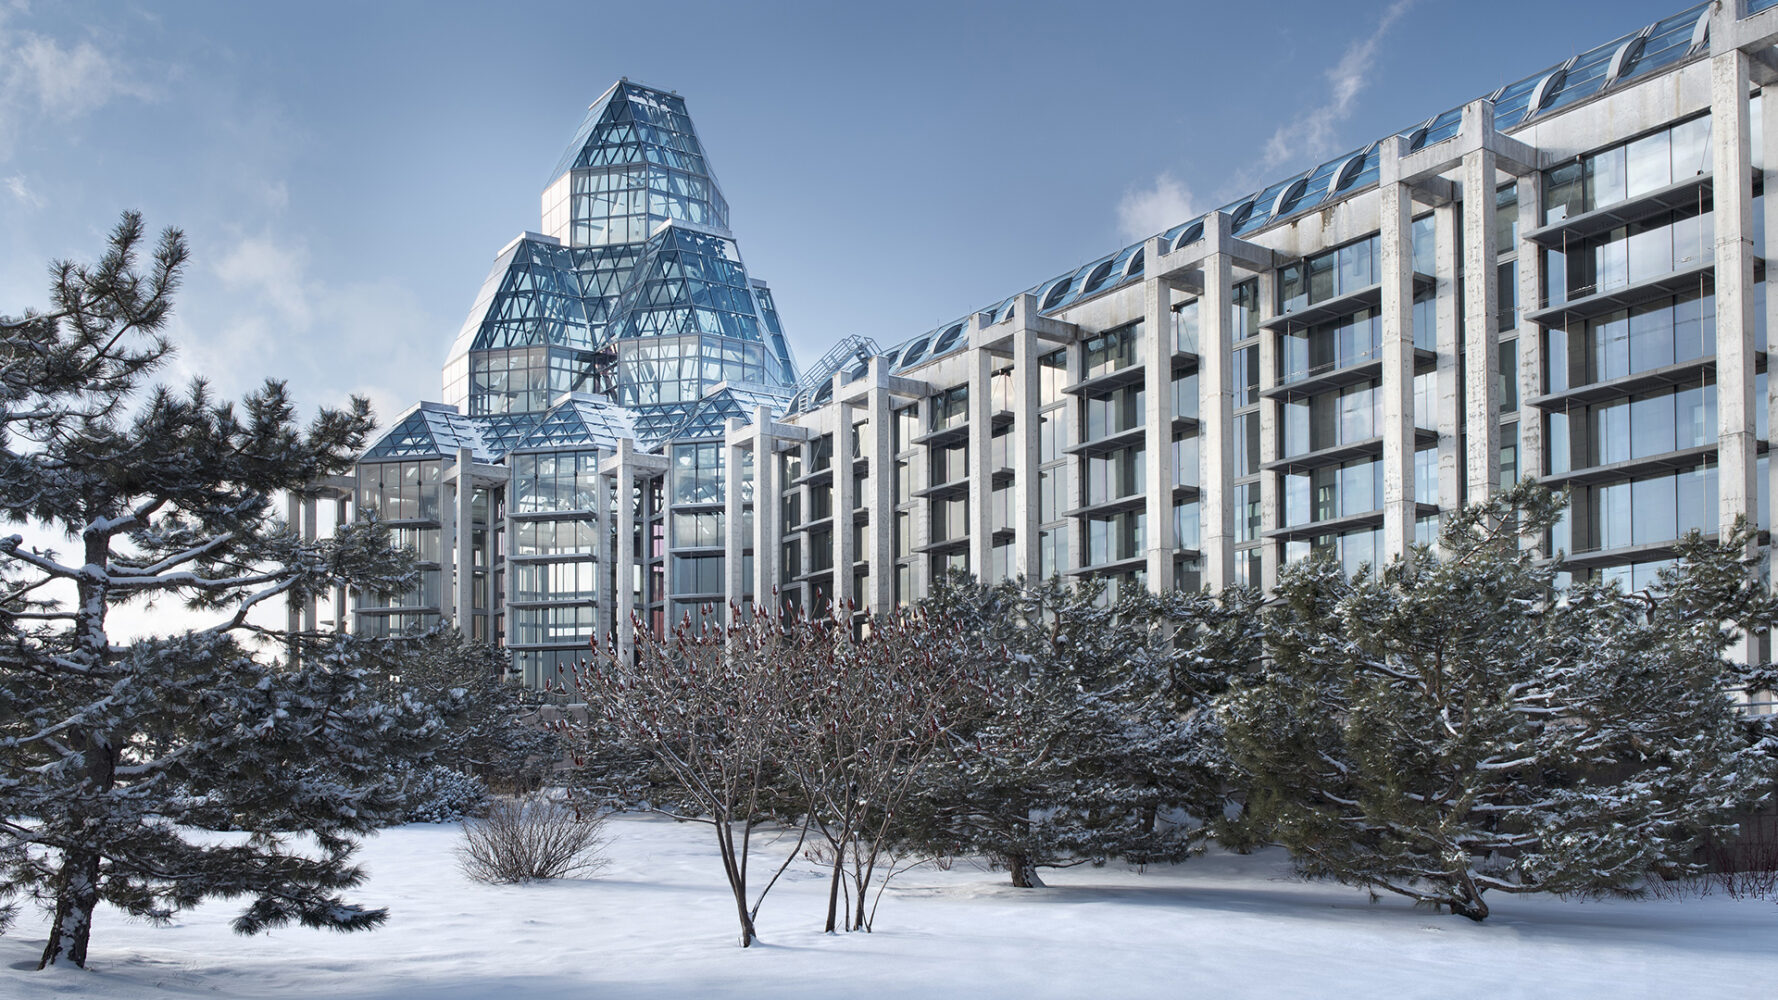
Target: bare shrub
column 530, row 838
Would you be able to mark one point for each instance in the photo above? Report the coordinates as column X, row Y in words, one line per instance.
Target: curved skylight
column 915, row 353
column 1054, row 296
column 1096, row 280
column 1192, row 233
column 948, row 339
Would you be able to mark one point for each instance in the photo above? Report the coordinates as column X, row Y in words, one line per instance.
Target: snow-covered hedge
column 438, row 794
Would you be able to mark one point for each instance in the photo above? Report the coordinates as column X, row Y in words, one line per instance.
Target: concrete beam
column 1477, row 133
column 1185, row 268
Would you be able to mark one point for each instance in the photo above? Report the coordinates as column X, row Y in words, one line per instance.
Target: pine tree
column 492, row 728
column 112, row 753
column 1455, row 725
column 1100, row 746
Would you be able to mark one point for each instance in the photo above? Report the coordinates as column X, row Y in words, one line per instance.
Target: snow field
column 660, row 923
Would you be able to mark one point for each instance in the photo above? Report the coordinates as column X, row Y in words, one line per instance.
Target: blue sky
column 346, row 172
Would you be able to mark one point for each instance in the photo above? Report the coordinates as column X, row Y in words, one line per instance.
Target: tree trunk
column 858, row 919
column 833, row 887
column 1469, row 901
column 77, row 895
column 1023, row 872
column 77, row 887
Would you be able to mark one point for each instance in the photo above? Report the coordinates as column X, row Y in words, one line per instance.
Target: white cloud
column 1143, row 212
column 267, row 313
column 41, row 78
column 1314, row 134
column 68, row 82
column 272, row 272
column 17, row 186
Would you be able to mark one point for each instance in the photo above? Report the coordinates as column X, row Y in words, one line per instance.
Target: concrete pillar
column 1530, row 374
column 920, row 513
column 311, row 531
column 293, row 621
column 626, row 549
column 845, row 500
column 1731, row 149
column 1769, row 139
column 1216, row 441
column 341, row 518
column 1397, row 269
column 734, row 586
column 880, row 597
column 768, row 512
column 1481, row 301
column 981, row 473
column 1450, row 347
column 464, row 614
column 1271, row 495
column 1157, row 389
column 1026, row 393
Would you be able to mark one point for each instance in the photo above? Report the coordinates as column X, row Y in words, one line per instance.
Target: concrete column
column 1397, row 269
column 1481, row 302
column 734, row 588
column 1731, row 149
column 311, row 531
column 1769, row 137
column 880, row 597
column 293, row 620
column 768, row 512
column 1071, row 491
column 1530, row 374
column 1450, row 348
column 626, row 548
column 1271, row 495
column 1216, row 440
column 1026, row 392
column 510, row 583
column 447, row 548
column 341, row 518
column 1157, row 389
column 920, row 513
column 981, row 476
column 845, row 499
column 464, row 594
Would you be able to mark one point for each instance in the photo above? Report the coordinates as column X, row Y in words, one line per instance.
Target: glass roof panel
column 1441, row 128
column 1263, row 203
column 949, row 339
column 1510, row 104
column 1583, row 79
column 1669, row 40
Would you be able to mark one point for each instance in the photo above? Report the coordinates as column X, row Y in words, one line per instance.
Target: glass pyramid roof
column 653, row 308
column 580, row 420
column 636, row 161
column 542, row 293
column 710, row 416
column 689, row 282
column 430, row 430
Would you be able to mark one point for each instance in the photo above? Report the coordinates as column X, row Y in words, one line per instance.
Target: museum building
column 1564, row 278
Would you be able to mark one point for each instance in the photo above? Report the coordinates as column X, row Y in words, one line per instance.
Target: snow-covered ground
column 659, row 923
